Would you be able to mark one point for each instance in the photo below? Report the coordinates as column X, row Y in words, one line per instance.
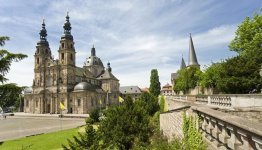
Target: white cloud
column 135, row 36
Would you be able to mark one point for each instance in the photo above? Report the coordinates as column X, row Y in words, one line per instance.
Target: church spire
column 67, row 28
column 183, row 64
column 192, row 54
column 93, row 51
column 43, row 34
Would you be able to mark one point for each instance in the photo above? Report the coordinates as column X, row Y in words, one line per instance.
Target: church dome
column 93, row 60
column 83, row 86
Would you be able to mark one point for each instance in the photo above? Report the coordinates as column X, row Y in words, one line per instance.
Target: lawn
column 48, row 141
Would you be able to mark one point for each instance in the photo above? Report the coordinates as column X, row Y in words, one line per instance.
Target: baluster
column 257, row 142
column 234, row 141
column 223, row 136
column 244, row 138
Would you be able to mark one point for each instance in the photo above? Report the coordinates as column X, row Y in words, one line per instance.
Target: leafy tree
column 149, row 103
column 123, row 125
column 9, row 93
column 239, row 74
column 187, row 78
column 154, row 83
column 88, row 140
column 93, row 116
column 212, row 76
column 6, row 58
column 248, row 36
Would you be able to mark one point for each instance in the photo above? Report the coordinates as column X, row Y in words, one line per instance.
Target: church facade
column 79, row 89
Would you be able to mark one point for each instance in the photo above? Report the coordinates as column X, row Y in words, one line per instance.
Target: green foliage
column 240, row 74
column 95, row 114
column 88, row 140
column 125, row 124
column 187, row 78
column 149, row 103
column 192, row 138
column 6, row 58
column 159, row 142
column 10, row 95
column 154, row 83
column 162, row 104
column 248, row 36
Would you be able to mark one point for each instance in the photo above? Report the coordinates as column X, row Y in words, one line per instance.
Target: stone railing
column 202, row 99
column 226, row 131
column 222, row 101
column 179, row 97
column 231, row 101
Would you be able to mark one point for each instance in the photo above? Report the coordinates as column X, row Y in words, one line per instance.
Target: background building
column 133, row 91
column 167, row 90
column 80, row 89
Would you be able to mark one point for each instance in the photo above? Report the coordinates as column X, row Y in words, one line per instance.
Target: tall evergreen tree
column 155, row 87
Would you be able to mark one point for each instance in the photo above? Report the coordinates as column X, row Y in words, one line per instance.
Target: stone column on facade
column 56, row 102
column 51, row 104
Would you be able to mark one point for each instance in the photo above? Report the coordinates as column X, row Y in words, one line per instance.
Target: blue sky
column 134, row 36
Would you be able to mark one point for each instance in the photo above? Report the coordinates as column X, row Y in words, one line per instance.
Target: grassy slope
column 46, row 141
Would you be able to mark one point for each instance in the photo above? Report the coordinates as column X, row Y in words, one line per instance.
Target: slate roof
column 192, row 54
column 107, row 75
column 130, row 90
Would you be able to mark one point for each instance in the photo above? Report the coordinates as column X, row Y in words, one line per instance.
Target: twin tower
column 80, row 89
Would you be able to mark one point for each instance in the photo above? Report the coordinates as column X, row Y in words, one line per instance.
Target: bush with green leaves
column 193, row 139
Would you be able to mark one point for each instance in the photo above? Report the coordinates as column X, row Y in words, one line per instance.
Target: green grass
column 48, row 141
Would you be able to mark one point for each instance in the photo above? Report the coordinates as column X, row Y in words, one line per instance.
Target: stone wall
column 171, row 122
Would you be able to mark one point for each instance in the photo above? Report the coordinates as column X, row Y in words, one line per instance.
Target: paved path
column 17, row 127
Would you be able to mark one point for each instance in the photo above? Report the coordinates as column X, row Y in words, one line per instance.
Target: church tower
column 66, row 48
column 67, row 58
column 42, row 57
column 192, row 54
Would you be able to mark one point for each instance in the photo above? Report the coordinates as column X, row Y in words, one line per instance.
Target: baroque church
column 79, row 89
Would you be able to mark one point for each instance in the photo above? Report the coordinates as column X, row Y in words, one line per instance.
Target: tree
column 239, row 74
column 6, row 58
column 123, row 125
column 248, row 36
column 149, row 103
column 155, row 86
column 9, row 93
column 188, row 78
column 88, row 140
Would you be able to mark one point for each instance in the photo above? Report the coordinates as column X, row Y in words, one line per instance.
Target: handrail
column 229, row 131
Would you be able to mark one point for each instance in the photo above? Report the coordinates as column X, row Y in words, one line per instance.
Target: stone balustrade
column 226, row 131
column 202, row 99
column 230, row 101
column 179, row 97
